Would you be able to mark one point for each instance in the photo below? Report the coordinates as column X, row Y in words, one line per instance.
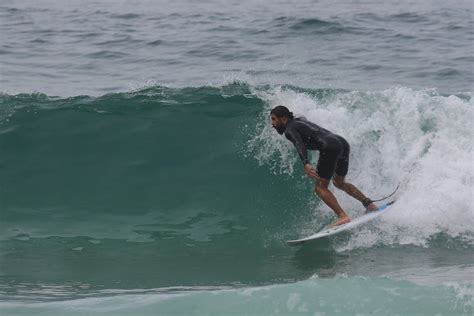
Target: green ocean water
column 312, row 297
column 139, row 173
column 178, row 201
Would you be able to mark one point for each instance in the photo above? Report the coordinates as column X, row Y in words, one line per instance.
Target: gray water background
column 94, row 47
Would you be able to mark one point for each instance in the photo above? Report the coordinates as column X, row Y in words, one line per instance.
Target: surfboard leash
column 386, row 197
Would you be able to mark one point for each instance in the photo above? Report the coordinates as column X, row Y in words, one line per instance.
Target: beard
column 280, row 129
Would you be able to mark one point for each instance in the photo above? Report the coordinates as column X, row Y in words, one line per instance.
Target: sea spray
column 419, row 139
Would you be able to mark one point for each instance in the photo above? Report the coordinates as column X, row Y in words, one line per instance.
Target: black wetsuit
column 333, row 149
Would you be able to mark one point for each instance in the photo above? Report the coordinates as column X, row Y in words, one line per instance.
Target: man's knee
column 339, row 183
column 319, row 189
column 321, row 186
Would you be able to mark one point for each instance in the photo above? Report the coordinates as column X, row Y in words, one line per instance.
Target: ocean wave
column 396, row 135
column 315, row 296
column 313, row 25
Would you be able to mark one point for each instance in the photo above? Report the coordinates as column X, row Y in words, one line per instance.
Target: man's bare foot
column 341, row 220
column 372, row 207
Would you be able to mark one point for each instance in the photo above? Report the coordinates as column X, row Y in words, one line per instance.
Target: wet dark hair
column 282, row 111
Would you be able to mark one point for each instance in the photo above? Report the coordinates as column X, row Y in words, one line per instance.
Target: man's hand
column 311, row 172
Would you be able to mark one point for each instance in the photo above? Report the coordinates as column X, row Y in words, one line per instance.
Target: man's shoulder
column 292, row 128
column 289, row 131
column 299, row 122
column 305, row 123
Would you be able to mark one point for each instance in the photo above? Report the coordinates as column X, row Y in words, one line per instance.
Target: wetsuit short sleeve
column 293, row 136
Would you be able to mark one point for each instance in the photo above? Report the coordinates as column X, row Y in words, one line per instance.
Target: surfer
column 333, row 160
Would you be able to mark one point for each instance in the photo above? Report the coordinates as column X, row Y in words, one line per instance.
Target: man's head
column 280, row 116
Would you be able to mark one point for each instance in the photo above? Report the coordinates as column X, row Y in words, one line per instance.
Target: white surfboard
column 354, row 223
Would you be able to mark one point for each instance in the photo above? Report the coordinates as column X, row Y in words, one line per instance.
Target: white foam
column 418, row 138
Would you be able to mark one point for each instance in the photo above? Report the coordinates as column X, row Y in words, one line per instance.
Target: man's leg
column 352, row 190
column 324, row 194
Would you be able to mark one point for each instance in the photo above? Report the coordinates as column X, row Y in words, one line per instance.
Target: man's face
column 278, row 123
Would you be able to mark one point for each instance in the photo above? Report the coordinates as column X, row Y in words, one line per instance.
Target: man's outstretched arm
column 297, row 141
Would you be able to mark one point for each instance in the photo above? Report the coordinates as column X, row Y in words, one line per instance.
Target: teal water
column 139, row 173
column 179, row 201
column 359, row 296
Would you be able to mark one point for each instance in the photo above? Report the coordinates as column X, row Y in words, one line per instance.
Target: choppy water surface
column 95, row 47
column 139, row 173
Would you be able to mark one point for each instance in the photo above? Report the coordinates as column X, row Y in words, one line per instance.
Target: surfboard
column 344, row 227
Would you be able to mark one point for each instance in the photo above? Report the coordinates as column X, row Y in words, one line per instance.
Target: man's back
column 310, row 134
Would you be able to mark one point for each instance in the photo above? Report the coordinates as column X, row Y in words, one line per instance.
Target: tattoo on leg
column 350, row 189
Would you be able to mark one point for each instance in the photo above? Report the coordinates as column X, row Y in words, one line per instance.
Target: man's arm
column 296, row 139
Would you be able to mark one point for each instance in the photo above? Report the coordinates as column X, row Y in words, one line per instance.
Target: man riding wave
column 333, row 160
